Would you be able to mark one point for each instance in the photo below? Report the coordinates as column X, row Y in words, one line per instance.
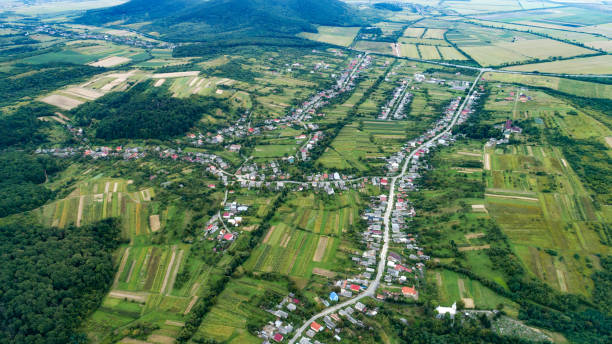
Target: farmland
column 306, row 233
column 243, row 165
column 586, row 65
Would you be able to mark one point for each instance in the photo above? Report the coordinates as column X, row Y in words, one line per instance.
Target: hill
column 222, row 19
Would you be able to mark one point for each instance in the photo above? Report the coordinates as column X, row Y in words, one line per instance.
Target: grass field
column 375, row 47
column 333, row 34
column 454, row 287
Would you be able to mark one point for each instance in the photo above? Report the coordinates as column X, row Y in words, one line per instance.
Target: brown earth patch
column 474, row 248
column 138, row 297
column 133, row 341
column 474, row 235
column 174, row 323
column 190, row 305
column 61, row 102
column 154, row 223
column 321, row 246
column 270, row 231
column 323, row 272
column 468, row 302
column 161, row 339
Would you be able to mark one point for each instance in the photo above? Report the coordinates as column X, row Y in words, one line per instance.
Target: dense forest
column 21, row 127
column 52, row 278
column 21, row 178
column 222, row 19
column 144, row 113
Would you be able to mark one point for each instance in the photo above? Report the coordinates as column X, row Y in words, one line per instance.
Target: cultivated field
column 587, row 65
column 305, row 234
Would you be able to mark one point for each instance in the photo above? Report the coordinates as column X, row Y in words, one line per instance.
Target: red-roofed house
column 355, row 287
column 410, row 292
column 278, row 337
column 228, row 236
column 316, row 326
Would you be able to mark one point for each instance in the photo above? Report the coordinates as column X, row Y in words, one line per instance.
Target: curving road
column 383, row 252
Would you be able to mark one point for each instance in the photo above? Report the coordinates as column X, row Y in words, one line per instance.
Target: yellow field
column 429, row 52
column 409, row 50
column 522, row 50
column 588, row 65
column 576, row 87
column 435, row 33
column 414, row 32
column 450, row 53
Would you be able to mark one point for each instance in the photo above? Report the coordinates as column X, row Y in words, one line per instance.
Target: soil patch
column 110, row 61
column 61, row 102
column 474, row 248
column 154, row 223
column 128, row 295
column 269, row 234
column 324, row 272
column 321, row 246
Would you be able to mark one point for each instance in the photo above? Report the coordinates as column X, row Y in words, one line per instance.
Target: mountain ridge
column 185, row 20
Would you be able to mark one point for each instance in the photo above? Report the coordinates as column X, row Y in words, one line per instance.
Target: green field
column 454, row 287
column 307, row 233
column 333, row 34
column 237, row 306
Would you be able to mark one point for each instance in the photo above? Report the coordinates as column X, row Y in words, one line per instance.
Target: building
column 315, row 326
column 447, row 310
column 410, row 292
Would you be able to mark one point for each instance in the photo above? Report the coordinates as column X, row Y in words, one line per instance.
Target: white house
column 447, row 310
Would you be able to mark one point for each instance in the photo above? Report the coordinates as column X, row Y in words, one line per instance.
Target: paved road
column 383, row 252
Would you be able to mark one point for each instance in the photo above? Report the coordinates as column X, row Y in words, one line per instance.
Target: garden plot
column 301, row 236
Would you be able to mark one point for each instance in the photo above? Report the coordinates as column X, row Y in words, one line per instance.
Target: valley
column 265, row 171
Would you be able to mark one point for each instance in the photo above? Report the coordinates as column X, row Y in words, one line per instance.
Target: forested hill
column 198, row 20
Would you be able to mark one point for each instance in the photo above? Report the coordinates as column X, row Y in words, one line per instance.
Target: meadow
column 342, row 36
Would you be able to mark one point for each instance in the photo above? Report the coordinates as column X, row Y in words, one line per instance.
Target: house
column 278, row 337
column 228, row 236
column 291, row 307
column 355, row 288
column 360, row 307
column 234, row 148
column 447, row 310
column 333, row 296
column 410, row 292
column 315, row 326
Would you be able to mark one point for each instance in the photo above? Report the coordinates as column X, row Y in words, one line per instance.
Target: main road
column 385, row 248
